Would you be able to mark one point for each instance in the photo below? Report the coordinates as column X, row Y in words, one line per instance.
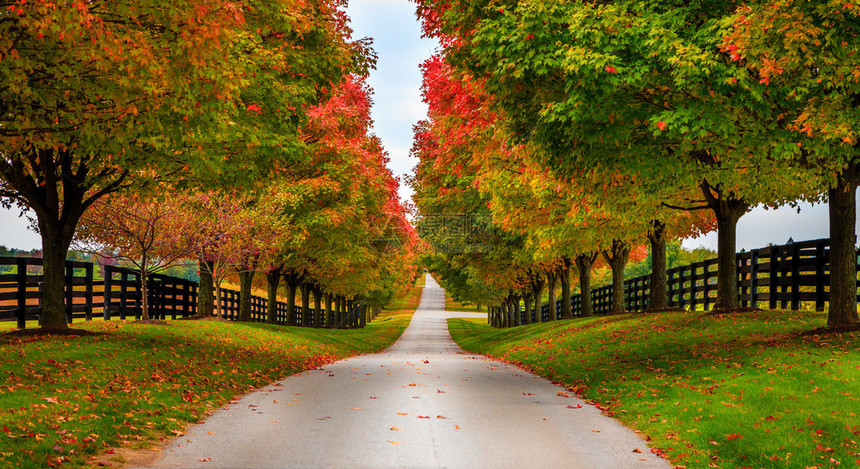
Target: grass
column 68, row 400
column 453, row 305
column 743, row 390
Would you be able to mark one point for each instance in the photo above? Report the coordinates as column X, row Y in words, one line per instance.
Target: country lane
column 423, row 403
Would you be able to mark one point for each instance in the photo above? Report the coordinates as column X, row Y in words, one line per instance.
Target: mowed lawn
column 67, row 400
column 729, row 391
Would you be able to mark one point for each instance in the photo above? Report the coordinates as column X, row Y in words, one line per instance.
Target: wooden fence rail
column 791, row 276
column 115, row 293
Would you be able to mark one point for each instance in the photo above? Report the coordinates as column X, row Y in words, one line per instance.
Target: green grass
column 743, row 390
column 453, row 305
column 67, row 400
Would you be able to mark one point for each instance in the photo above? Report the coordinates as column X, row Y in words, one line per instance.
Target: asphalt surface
column 421, row 403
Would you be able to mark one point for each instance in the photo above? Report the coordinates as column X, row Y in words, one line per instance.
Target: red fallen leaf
column 104, row 464
column 734, row 436
column 110, row 451
column 577, row 406
column 439, row 391
column 637, row 450
column 441, row 417
column 426, row 361
column 528, row 394
column 423, row 416
column 770, row 418
column 205, row 459
column 562, row 394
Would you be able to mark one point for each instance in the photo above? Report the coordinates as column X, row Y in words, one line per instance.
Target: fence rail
column 791, row 276
column 115, row 293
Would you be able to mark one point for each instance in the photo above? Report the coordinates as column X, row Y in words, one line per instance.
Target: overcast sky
column 397, row 107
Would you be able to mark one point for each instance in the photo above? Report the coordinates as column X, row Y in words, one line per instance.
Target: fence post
column 108, row 280
column 821, row 260
column 88, row 307
column 772, row 281
column 123, row 292
column 22, row 292
column 754, row 278
column 70, row 290
column 795, row 277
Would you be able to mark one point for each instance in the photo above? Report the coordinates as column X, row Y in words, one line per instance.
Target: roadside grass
column 68, row 400
column 731, row 391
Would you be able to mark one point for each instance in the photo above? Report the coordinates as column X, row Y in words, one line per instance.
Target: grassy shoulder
column 68, row 400
column 743, row 390
column 454, row 305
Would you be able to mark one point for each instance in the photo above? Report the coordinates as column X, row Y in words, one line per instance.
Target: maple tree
column 137, row 228
column 641, row 89
column 804, row 55
column 152, row 89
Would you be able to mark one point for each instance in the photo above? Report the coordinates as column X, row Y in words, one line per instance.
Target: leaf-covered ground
column 66, row 400
column 731, row 391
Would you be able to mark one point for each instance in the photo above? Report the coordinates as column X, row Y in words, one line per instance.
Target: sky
column 397, row 107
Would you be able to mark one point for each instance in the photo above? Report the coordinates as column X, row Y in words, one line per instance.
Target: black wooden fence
column 792, row 276
column 118, row 296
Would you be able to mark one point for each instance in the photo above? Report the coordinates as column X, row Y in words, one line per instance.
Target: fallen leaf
column 211, row 433
column 441, row 417
column 402, row 413
column 528, row 394
column 456, row 427
column 423, row 416
column 637, row 450
column 394, row 429
column 577, row 406
column 356, row 408
column 205, row 459
column 394, row 442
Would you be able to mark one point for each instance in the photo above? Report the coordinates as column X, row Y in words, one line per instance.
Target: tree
column 135, row 228
column 151, row 90
column 802, row 54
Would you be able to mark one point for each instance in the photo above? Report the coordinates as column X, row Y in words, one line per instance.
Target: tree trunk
column 205, row 289
column 293, row 281
column 537, row 289
column 245, row 279
column 218, row 308
column 564, row 275
column 307, row 311
column 273, row 278
column 551, row 282
column 584, row 262
column 338, row 307
column 317, row 291
column 54, row 251
column 659, row 286
column 518, row 319
column 843, row 254
column 728, row 210
column 144, row 288
column 617, row 257
column 329, row 313
column 527, row 303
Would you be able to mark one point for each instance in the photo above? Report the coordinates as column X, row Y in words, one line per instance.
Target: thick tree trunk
column 317, row 291
column 245, row 279
column 218, row 306
column 54, row 251
column 307, row 311
column 584, row 262
column 728, row 210
column 551, row 282
column 537, row 289
column 273, row 279
column 205, row 289
column 518, row 319
column 293, row 281
column 338, row 308
column 843, row 256
column 527, row 303
column 329, row 314
column 617, row 257
column 564, row 276
column 659, row 286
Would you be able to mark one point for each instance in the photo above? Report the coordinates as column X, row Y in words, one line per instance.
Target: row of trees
column 229, row 131
column 584, row 127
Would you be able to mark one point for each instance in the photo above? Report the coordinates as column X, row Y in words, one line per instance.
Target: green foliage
column 742, row 390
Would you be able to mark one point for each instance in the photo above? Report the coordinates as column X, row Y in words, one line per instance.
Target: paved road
column 421, row 403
